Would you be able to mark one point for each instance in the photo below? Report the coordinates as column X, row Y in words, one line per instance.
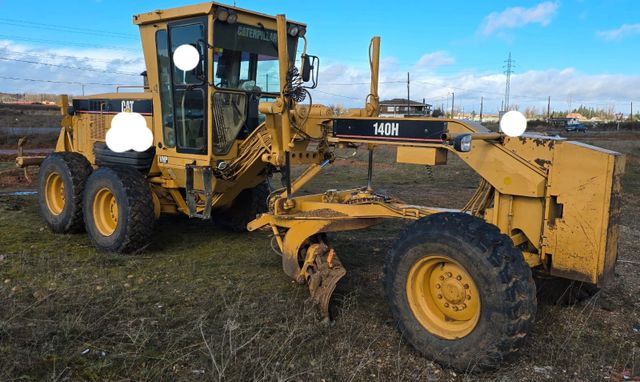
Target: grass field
column 12, row 115
column 205, row 304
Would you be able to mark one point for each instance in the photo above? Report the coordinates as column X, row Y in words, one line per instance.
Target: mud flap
column 322, row 270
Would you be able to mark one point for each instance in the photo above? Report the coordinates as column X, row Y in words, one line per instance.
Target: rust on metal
column 322, row 270
column 542, row 162
column 321, row 213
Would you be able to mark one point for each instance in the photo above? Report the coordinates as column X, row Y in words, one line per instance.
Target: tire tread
column 78, row 169
column 508, row 266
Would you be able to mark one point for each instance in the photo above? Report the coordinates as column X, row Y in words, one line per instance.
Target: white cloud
column 435, row 59
column 339, row 83
column 616, row 34
column 79, row 65
column 516, row 17
column 530, row 88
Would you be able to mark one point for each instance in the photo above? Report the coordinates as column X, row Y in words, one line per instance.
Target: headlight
column 293, row 30
column 222, row 14
column 462, row 143
column 233, row 17
column 302, row 32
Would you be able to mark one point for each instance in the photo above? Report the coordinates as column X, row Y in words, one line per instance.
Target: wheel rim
column 105, row 212
column 443, row 297
column 54, row 193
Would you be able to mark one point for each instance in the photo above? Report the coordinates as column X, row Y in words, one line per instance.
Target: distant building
column 564, row 122
column 397, row 107
column 576, row 116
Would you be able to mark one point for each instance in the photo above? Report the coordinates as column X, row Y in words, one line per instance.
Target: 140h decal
column 387, row 129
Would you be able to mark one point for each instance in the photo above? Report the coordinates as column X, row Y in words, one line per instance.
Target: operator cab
column 237, row 68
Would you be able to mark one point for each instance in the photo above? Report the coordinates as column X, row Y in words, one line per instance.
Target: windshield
column 246, row 57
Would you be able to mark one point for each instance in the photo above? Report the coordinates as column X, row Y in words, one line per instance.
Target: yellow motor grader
column 232, row 108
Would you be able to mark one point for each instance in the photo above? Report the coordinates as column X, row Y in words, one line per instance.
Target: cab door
column 183, row 95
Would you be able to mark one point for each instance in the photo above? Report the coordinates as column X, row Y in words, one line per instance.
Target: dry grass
column 205, row 304
column 29, row 116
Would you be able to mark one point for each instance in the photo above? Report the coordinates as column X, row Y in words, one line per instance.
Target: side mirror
column 306, row 68
column 310, row 66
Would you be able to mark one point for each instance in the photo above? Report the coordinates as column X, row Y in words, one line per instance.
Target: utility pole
column 82, row 89
column 631, row 115
column 509, row 65
column 267, row 75
column 453, row 100
column 548, row 109
column 481, row 107
column 444, row 111
column 408, row 94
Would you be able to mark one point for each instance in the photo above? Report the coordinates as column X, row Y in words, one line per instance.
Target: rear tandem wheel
column 61, row 181
column 118, row 210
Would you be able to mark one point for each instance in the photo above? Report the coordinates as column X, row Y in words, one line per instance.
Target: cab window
column 246, row 57
column 190, row 89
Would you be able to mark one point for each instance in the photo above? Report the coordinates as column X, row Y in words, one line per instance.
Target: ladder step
column 193, row 193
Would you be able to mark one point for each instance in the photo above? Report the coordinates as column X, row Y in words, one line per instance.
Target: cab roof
column 190, row 11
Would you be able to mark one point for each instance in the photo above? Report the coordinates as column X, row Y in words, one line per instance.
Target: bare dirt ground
column 205, row 304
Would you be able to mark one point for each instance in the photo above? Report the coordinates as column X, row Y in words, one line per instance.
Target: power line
column 363, row 83
column 480, row 91
column 336, row 95
column 54, row 55
column 80, row 44
column 65, row 28
column 70, row 67
column 56, row 82
column 475, row 90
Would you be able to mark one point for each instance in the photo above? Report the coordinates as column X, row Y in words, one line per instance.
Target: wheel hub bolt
column 440, row 296
column 441, row 277
column 449, row 274
column 464, row 306
column 458, row 277
column 466, row 286
column 438, row 286
column 446, row 304
column 468, row 297
column 455, row 308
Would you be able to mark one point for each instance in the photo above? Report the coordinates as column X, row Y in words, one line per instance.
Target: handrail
column 130, row 87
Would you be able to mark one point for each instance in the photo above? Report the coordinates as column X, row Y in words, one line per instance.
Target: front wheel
column 118, row 210
column 459, row 290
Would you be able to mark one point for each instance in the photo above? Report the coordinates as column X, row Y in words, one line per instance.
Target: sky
column 578, row 52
